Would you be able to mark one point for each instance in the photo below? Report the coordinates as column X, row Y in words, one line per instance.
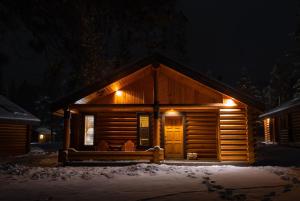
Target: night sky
column 222, row 36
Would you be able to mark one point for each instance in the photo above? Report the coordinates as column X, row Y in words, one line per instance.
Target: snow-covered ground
column 36, row 177
column 149, row 182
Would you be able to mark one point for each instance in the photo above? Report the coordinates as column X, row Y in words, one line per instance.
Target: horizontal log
column 102, row 124
column 201, row 150
column 233, row 137
column 233, row 147
column 201, row 146
column 233, row 127
column 234, row 158
column 233, row 142
column 230, row 132
column 118, row 137
column 118, row 129
column 233, row 153
column 211, row 137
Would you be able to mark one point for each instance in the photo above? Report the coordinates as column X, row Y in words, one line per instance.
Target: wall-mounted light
column 41, row 136
column 119, row 93
column 229, row 102
column 172, row 113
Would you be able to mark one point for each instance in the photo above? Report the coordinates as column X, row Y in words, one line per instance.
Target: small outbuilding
column 15, row 128
column 43, row 135
column 282, row 124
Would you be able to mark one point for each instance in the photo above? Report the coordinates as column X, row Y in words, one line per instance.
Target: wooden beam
column 156, row 125
column 67, row 136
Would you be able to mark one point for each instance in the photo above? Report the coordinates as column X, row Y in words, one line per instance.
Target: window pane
column 144, row 130
column 89, row 130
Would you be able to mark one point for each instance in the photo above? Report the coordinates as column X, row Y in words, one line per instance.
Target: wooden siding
column 233, row 135
column 14, row 139
column 295, row 117
column 201, row 133
column 116, row 128
column 139, row 91
column 267, row 129
column 283, row 136
column 175, row 88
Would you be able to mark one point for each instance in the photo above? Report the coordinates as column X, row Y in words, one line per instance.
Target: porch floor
column 182, row 162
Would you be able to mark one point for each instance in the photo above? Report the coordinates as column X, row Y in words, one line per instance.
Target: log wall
column 116, row 128
column 267, row 130
column 296, row 126
column 233, row 135
column 201, row 133
column 14, row 139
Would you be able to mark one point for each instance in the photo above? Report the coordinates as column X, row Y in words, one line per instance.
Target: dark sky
column 222, row 36
column 226, row 35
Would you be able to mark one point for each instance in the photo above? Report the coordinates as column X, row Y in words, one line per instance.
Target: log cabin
column 15, row 128
column 282, row 124
column 158, row 109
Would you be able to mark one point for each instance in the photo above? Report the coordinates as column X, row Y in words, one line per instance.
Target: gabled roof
column 282, row 108
column 10, row 112
column 156, row 59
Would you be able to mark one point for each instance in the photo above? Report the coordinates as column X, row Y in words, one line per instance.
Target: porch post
column 67, row 136
column 156, row 126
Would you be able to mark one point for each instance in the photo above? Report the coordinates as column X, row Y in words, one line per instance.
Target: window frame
column 138, row 130
column 83, row 129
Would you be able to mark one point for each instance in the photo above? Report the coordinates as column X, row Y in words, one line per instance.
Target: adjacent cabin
column 43, row 135
column 282, row 124
column 15, row 128
column 157, row 109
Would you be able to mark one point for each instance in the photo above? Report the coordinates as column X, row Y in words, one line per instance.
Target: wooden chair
column 128, row 146
column 103, row 146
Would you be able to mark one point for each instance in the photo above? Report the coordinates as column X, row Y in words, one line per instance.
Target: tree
column 93, row 37
column 246, row 85
column 296, row 88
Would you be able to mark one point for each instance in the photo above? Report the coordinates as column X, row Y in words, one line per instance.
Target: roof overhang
column 154, row 60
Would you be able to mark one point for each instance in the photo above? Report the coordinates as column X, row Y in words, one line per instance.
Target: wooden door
column 174, row 137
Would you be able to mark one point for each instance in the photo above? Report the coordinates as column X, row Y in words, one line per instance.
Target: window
column 143, row 130
column 89, row 130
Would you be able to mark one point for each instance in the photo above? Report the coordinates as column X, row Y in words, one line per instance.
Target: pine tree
column 246, row 85
column 296, row 88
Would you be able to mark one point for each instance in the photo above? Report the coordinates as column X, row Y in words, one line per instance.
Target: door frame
column 162, row 136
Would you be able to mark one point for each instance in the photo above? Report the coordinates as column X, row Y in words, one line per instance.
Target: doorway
column 173, row 134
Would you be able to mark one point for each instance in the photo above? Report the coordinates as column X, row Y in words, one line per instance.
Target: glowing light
column 172, row 113
column 41, row 137
column 119, row 93
column 229, row 102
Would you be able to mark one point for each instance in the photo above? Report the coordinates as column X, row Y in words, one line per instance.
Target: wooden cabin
column 43, row 135
column 282, row 124
column 156, row 102
column 15, row 128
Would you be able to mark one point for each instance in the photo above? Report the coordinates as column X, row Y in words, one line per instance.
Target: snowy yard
column 43, row 181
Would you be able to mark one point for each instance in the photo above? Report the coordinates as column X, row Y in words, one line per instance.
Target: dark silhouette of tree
column 92, row 37
column 246, row 85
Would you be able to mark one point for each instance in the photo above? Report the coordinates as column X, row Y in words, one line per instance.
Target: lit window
column 89, row 130
column 144, row 130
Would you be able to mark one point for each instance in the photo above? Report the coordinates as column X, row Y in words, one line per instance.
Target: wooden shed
column 15, row 128
column 282, row 124
column 157, row 102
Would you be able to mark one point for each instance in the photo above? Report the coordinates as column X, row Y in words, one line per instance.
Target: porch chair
column 128, row 146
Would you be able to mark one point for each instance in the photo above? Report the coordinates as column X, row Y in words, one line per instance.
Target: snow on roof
column 285, row 106
column 9, row 111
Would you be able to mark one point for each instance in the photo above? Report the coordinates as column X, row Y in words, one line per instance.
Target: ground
column 36, row 177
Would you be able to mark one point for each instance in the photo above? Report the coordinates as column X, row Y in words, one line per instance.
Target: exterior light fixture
column 119, row 93
column 41, row 136
column 172, row 113
column 229, row 102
